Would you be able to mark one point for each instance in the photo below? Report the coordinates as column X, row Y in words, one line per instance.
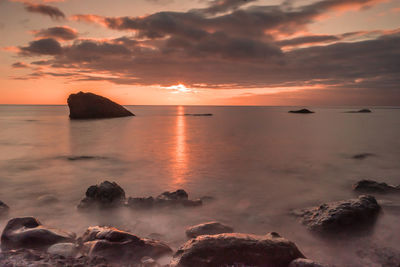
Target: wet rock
column 28, row 232
column 209, row 228
column 305, row 263
column 302, row 111
column 106, row 195
column 341, row 215
column 370, row 186
column 363, row 156
column 66, row 250
column 91, row 106
column 167, row 199
column 47, row 199
column 120, row 246
column 4, row 209
column 236, row 249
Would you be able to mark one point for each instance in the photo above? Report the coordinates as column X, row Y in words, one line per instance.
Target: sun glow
column 179, row 88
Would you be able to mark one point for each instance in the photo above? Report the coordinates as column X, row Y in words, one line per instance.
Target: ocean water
column 259, row 163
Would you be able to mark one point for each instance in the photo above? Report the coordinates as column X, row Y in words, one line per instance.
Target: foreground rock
column 167, row 199
column 236, row 250
column 91, row 106
column 119, row 246
column 106, row 195
column 4, row 209
column 341, row 215
column 209, row 228
column 301, row 111
column 28, row 232
column 370, row 186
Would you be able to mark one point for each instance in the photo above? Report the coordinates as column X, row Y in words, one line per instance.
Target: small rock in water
column 91, row 106
column 47, row 199
column 341, row 215
column 106, row 195
column 209, row 228
column 305, row 263
column 120, row 246
column 4, row 209
column 234, row 249
column 301, row 111
column 28, row 232
column 363, row 155
column 370, row 186
column 364, row 110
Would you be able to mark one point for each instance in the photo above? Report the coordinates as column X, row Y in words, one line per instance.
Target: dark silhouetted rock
column 369, row 186
column 365, row 110
column 198, row 114
column 235, row 249
column 301, row 111
column 166, row 199
column 305, row 263
column 4, row 209
column 209, row 228
column 119, row 246
column 106, row 195
column 91, row 106
column 363, row 155
column 28, row 232
column 341, row 215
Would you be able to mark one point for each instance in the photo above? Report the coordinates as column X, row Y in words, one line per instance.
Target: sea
column 257, row 163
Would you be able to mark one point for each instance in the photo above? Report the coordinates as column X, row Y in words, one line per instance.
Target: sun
column 179, row 88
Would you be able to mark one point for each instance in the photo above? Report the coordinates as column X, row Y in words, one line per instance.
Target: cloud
column 19, row 65
column 222, row 6
column 61, row 33
column 47, row 10
column 47, row 46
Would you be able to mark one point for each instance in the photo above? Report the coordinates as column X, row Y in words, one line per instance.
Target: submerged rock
column 363, row 155
column 106, row 195
column 120, row 246
column 341, row 215
column 4, row 209
column 209, row 228
column 166, row 199
column 235, row 249
column 47, row 199
column 370, row 186
column 305, row 263
column 28, row 232
column 301, row 111
column 91, row 106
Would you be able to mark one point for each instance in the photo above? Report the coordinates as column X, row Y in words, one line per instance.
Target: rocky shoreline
column 26, row 241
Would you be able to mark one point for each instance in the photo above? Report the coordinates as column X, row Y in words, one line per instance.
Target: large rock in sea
column 370, row 186
column 106, row 195
column 234, row 249
column 91, row 106
column 302, row 111
column 209, row 228
column 28, row 232
column 341, row 215
column 120, row 246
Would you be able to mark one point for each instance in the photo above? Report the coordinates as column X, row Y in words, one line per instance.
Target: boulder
column 4, row 209
column 167, row 199
column 209, row 228
column 91, row 106
column 28, row 232
column 234, row 249
column 302, row 111
column 370, row 186
column 305, row 263
column 120, row 246
column 106, row 195
column 341, row 215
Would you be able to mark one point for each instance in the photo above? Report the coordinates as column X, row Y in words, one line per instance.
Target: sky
column 202, row 52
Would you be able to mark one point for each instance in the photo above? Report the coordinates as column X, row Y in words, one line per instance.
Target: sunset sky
column 201, row 52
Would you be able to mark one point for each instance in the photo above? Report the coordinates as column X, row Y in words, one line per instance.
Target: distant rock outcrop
column 209, row 228
column 302, row 111
column 341, row 215
column 365, row 110
column 91, row 106
column 370, row 186
column 28, row 232
column 236, row 249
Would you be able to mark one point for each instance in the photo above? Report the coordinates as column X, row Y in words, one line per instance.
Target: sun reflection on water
column 180, row 163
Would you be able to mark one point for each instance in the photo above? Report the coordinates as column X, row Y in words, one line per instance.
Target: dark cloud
column 47, row 10
column 61, row 32
column 47, row 46
column 19, row 65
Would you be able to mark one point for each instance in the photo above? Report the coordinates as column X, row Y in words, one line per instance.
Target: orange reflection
column 180, row 164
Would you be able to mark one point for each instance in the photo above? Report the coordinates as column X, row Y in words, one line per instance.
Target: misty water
column 259, row 163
